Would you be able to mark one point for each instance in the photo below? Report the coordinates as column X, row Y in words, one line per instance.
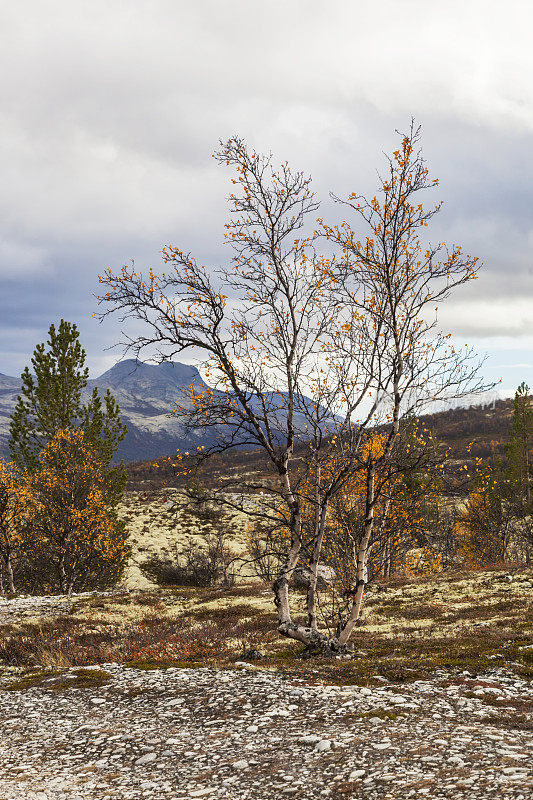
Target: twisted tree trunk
column 362, row 560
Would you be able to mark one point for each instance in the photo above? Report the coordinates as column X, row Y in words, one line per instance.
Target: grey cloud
column 110, row 113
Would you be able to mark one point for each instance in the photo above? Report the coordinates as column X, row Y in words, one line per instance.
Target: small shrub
column 266, row 547
column 202, row 565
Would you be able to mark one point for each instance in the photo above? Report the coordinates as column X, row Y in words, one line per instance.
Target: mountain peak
column 131, row 372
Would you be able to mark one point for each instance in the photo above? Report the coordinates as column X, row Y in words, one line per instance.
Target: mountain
column 145, row 394
column 9, row 389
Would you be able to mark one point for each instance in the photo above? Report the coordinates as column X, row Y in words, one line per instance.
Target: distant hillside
column 484, row 429
column 465, row 432
column 9, row 389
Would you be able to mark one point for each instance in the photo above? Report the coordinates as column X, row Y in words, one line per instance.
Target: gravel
column 237, row 734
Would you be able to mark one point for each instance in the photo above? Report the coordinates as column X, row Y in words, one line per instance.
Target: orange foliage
column 400, row 514
column 479, row 529
column 14, row 507
column 71, row 521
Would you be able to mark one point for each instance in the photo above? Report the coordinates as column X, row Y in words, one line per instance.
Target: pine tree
column 520, row 445
column 51, row 401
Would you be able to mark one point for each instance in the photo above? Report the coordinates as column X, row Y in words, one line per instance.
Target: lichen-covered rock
column 302, row 575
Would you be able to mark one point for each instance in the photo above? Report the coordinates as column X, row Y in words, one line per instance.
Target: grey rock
column 147, row 759
column 357, row 773
column 302, row 575
column 310, row 739
column 322, row 745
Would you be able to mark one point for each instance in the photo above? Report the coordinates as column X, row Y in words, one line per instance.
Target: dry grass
column 411, row 629
column 165, row 523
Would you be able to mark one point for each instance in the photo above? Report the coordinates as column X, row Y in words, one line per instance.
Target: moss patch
column 60, row 681
column 386, row 716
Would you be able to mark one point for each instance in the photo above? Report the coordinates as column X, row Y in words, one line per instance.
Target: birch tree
column 311, row 337
column 14, row 508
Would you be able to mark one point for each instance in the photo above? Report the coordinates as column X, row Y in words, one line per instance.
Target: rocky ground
column 250, row 733
column 415, row 717
column 27, row 607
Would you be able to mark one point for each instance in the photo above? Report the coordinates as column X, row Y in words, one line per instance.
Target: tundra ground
column 143, row 694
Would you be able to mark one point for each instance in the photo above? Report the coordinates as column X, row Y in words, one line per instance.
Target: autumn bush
column 66, row 642
column 496, row 524
column 13, row 522
column 58, row 529
column 265, row 549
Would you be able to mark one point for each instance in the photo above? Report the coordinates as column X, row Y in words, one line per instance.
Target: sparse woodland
column 325, row 366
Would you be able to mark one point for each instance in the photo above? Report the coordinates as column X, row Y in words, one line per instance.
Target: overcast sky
column 110, row 112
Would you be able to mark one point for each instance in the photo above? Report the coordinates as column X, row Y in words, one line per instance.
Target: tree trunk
column 62, row 575
column 10, row 580
column 9, row 574
column 527, row 475
column 320, row 526
column 362, row 558
column 281, row 584
column 286, row 626
column 387, row 558
column 313, row 578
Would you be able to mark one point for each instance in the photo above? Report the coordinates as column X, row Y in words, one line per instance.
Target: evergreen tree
column 51, row 401
column 520, row 445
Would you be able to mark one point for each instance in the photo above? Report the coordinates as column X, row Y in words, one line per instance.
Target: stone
column 310, row 739
column 325, row 577
column 323, row 745
column 397, row 699
column 357, row 773
column 240, row 765
column 146, row 759
column 457, row 760
column 514, row 770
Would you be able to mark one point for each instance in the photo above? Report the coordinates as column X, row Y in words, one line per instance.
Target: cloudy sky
column 110, row 111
